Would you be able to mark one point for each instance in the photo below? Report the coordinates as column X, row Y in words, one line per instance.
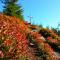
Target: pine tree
column 11, row 8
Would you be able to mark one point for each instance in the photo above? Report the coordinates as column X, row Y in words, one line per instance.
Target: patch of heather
column 15, row 45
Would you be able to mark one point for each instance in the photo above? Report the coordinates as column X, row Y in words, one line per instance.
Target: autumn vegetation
column 19, row 42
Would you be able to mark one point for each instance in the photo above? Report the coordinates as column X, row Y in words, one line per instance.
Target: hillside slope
column 19, row 42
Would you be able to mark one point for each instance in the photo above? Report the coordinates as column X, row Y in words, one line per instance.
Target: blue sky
column 45, row 12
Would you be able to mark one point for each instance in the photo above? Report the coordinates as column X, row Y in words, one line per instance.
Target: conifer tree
column 11, row 8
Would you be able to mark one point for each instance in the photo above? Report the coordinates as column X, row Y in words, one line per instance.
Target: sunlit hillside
column 20, row 40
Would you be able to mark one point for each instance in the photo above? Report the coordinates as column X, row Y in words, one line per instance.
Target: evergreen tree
column 11, row 8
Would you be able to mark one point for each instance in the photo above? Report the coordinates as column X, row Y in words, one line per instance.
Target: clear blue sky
column 45, row 12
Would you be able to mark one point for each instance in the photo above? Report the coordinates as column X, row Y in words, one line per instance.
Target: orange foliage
column 17, row 30
column 8, row 42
